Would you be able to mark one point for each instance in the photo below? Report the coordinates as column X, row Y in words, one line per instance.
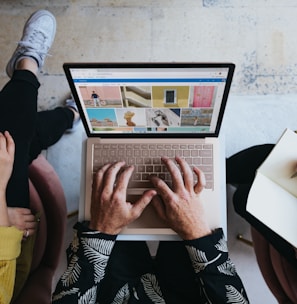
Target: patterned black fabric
column 215, row 276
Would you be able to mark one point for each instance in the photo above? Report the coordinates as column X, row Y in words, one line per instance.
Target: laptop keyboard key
column 147, row 159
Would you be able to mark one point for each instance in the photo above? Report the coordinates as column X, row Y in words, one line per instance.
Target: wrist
column 103, row 229
column 83, row 228
column 195, row 233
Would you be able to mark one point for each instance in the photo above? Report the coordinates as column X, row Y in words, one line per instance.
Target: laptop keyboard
column 147, row 159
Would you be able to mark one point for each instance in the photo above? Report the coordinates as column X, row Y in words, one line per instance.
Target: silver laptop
column 138, row 112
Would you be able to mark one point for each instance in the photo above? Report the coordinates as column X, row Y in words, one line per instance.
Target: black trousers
column 32, row 131
column 130, row 260
column 240, row 171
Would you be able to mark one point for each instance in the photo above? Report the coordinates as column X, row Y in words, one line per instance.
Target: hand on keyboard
column 146, row 159
column 110, row 212
column 181, row 206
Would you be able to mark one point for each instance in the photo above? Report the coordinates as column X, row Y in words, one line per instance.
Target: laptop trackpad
column 148, row 219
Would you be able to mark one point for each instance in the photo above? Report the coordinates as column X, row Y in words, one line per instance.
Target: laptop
column 138, row 112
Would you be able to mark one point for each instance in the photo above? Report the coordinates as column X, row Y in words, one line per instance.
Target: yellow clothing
column 10, row 247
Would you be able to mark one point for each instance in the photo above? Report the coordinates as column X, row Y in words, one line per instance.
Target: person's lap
column 240, row 171
column 175, row 273
column 241, row 167
column 130, row 260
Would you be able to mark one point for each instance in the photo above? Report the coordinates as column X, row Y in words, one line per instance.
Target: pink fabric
column 47, row 196
column 40, row 242
column 286, row 274
column 279, row 275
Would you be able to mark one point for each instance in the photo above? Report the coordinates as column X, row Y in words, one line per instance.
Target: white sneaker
column 38, row 36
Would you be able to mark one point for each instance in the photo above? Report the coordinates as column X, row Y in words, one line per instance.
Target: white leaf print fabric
column 65, row 293
column 97, row 251
column 234, row 296
column 215, row 275
column 227, row 268
column 89, row 297
column 123, row 295
column 222, row 245
column 72, row 273
column 152, row 288
column 75, row 243
column 199, row 259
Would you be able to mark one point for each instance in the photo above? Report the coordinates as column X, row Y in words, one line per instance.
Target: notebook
column 150, row 110
column 273, row 195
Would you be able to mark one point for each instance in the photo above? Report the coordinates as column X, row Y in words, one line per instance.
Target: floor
column 248, row 120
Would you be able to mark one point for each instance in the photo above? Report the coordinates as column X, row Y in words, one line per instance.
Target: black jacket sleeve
column 215, row 273
column 87, row 257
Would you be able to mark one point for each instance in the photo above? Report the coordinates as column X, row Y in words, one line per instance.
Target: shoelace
column 36, row 38
column 27, row 45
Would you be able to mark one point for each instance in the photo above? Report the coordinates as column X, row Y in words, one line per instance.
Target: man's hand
column 110, row 212
column 181, row 206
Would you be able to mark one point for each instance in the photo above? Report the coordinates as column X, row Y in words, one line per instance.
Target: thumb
column 143, row 201
column 159, row 206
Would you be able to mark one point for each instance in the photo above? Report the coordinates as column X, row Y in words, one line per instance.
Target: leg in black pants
column 18, row 115
column 128, row 261
column 240, row 171
column 50, row 127
column 31, row 131
column 175, row 273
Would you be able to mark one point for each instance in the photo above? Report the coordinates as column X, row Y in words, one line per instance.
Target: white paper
column 273, row 196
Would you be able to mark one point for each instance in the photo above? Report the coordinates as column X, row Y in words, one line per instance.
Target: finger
column 176, row 176
column 31, row 231
column 28, row 232
column 31, row 225
column 19, row 212
column 23, row 211
column 29, row 218
column 110, row 177
column 10, row 143
column 97, row 187
column 123, row 179
column 161, row 187
column 201, row 182
column 141, row 204
column 187, row 173
column 98, row 178
column 159, row 206
column 2, row 142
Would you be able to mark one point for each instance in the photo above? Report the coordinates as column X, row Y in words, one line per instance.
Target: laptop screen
column 178, row 99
